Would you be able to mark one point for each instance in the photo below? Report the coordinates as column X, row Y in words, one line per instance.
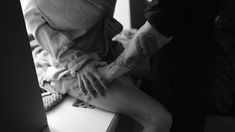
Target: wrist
column 78, row 63
column 114, row 71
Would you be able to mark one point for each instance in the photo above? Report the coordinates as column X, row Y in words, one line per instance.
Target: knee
column 166, row 120
column 162, row 121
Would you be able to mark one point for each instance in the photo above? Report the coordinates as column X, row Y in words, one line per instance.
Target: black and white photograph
column 118, row 66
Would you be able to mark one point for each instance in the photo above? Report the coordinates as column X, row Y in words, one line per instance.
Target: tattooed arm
column 146, row 42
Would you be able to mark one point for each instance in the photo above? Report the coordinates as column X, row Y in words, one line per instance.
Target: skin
column 93, row 83
column 122, row 96
column 146, row 45
column 90, row 80
column 146, row 42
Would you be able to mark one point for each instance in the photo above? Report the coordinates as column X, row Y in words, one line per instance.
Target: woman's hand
column 105, row 73
column 90, row 80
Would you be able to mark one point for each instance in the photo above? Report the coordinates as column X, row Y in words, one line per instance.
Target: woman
column 77, row 35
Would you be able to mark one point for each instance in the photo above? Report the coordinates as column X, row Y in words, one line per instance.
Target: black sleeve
column 167, row 16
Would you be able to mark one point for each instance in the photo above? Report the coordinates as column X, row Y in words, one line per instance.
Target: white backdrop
column 122, row 13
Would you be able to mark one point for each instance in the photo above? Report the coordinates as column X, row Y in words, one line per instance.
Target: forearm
column 131, row 56
column 146, row 42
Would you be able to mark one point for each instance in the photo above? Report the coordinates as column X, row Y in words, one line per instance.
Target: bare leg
column 125, row 98
column 142, row 71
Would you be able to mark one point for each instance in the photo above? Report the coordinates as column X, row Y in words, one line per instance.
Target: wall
column 122, row 13
column 130, row 13
column 21, row 102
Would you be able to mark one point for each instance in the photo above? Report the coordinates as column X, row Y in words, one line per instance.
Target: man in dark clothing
column 178, row 38
column 183, row 70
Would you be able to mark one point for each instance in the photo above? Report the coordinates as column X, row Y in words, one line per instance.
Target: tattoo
column 122, row 65
column 146, row 44
column 118, row 64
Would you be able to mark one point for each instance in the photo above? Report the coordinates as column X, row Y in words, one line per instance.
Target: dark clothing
column 183, row 71
column 173, row 16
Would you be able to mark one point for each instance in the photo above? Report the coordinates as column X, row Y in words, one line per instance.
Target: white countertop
column 67, row 118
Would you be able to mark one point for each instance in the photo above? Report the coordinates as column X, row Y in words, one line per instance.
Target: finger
column 84, row 90
column 116, row 38
column 79, row 65
column 77, row 60
column 95, row 56
column 85, row 82
column 97, row 88
column 100, row 63
column 101, row 80
column 120, row 39
column 79, row 81
column 81, row 85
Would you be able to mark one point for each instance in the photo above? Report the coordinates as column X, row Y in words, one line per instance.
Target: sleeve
column 166, row 16
column 54, row 42
column 57, row 45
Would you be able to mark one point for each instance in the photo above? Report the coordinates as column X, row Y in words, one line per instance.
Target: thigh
column 123, row 97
